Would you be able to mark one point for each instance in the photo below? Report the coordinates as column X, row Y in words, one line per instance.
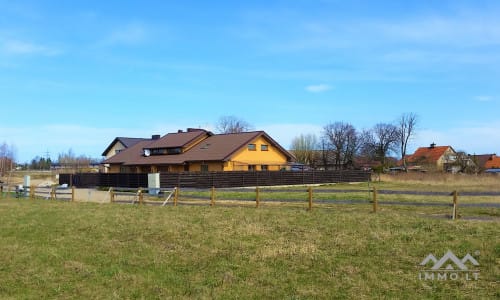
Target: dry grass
column 446, row 181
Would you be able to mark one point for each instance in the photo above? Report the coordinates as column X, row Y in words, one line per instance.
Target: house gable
column 433, row 155
column 119, row 144
column 258, row 154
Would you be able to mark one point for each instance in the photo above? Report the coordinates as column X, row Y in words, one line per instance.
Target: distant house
column 198, row 150
column 489, row 163
column 493, row 162
column 434, row 157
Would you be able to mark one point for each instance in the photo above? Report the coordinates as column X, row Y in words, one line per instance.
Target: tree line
column 67, row 160
column 340, row 143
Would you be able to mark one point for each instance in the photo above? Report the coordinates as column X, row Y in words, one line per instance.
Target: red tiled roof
column 493, row 162
column 482, row 159
column 428, row 154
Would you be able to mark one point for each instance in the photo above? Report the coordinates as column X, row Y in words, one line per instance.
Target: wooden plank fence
column 216, row 179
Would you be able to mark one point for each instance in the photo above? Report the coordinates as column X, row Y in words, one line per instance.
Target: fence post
column 72, row 194
column 212, row 196
column 375, row 204
column 141, row 196
column 53, row 193
column 111, row 195
column 1, row 190
column 176, row 196
column 257, row 197
column 310, row 192
column 32, row 192
column 454, row 213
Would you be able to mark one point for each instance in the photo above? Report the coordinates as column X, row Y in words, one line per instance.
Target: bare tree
column 407, row 125
column 462, row 162
column 232, row 124
column 70, row 161
column 7, row 158
column 303, row 148
column 380, row 141
column 343, row 140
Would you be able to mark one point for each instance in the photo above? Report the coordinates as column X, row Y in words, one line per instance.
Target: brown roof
column 179, row 139
column 128, row 154
column 219, row 147
column 428, row 154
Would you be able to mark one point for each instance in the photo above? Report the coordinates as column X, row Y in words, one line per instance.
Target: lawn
column 52, row 249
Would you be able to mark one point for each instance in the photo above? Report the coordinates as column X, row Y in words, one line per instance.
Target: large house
column 439, row 158
column 198, row 150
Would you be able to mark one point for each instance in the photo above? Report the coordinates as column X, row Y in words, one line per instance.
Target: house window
column 252, row 147
column 264, row 147
column 204, row 168
column 252, row 168
column 264, row 167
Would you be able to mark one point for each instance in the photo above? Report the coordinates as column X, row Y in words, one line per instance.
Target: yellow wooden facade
column 246, row 159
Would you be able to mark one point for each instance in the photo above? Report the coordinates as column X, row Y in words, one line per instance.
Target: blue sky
column 76, row 74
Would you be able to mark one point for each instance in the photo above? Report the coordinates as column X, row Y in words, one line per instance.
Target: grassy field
column 51, row 249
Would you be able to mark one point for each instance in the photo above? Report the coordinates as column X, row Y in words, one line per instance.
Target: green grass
column 52, row 249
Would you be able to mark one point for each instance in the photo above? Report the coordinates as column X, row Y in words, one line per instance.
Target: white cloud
column 130, row 34
column 318, row 88
column 18, row 47
column 483, row 98
column 470, row 29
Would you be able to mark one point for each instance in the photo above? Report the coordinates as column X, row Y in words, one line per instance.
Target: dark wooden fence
column 215, row 179
column 85, row 180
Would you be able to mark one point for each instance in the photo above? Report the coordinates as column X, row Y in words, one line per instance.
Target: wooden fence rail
column 34, row 192
column 309, row 197
column 213, row 196
column 141, row 195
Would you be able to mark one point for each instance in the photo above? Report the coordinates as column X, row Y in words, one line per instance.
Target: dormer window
column 162, row 151
column 177, row 150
